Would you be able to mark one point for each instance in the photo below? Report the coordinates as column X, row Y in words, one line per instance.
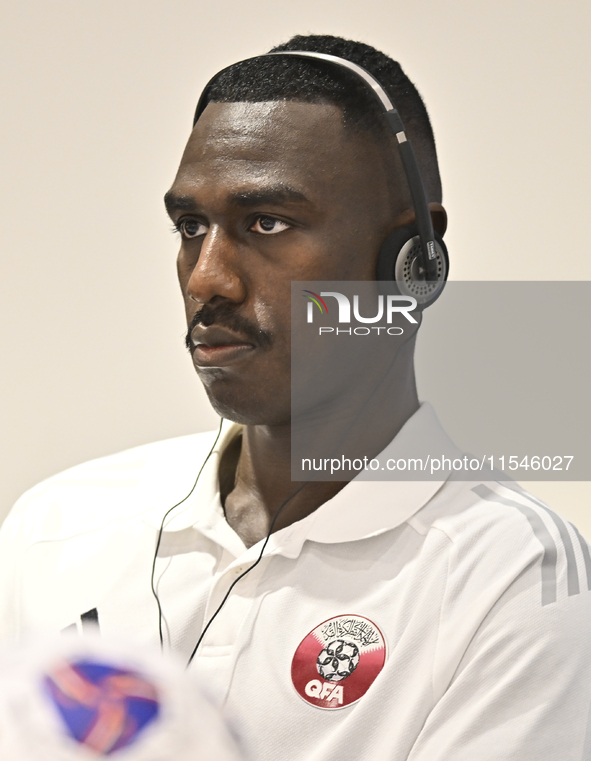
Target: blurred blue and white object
column 85, row 698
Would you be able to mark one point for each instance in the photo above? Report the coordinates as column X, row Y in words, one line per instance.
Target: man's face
column 267, row 193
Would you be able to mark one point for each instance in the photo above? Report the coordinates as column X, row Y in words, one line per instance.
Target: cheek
column 183, row 271
column 358, row 253
column 183, row 274
column 347, row 252
column 272, row 307
column 187, row 259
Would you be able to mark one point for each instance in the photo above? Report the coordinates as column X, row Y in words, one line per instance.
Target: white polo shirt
column 419, row 621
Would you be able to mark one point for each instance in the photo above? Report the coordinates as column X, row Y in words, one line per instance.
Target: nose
column 216, row 274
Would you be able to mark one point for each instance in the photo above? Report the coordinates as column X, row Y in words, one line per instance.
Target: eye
column 191, row 228
column 268, row 225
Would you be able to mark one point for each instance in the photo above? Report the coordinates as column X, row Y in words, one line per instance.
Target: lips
column 218, row 347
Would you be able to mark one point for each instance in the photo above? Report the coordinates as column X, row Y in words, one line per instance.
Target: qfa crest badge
column 336, row 663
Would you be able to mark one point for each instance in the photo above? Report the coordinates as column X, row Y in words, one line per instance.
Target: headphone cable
column 161, row 531
column 277, row 514
column 248, row 570
column 266, row 541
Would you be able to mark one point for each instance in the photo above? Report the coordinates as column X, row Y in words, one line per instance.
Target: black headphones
column 414, row 256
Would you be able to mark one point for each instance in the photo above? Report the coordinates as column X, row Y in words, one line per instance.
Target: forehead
column 302, row 144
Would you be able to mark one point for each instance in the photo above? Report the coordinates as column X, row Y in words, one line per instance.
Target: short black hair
column 316, row 81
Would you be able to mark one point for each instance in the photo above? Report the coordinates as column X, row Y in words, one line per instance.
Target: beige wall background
column 97, row 104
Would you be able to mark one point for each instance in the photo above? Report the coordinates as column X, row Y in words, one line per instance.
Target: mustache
column 225, row 316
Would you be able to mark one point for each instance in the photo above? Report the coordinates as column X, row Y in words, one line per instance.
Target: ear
column 439, row 218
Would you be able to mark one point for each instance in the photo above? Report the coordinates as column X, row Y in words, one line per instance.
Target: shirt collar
column 361, row 509
column 203, row 507
column 368, row 507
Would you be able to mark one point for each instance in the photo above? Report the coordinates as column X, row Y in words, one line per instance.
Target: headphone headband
column 407, row 154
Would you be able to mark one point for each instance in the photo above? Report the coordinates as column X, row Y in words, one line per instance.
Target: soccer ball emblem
column 337, row 660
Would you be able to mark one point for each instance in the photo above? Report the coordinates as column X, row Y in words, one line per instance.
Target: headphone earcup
column 399, row 259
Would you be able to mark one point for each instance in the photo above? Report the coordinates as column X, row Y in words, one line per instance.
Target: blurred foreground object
column 77, row 699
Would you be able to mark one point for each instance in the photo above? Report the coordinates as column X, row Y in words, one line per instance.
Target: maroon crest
column 336, row 663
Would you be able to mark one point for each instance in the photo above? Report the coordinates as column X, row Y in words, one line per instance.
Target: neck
column 255, row 474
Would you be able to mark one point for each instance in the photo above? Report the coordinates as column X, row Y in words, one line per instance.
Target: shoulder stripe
column 542, row 535
column 586, row 555
column 572, row 570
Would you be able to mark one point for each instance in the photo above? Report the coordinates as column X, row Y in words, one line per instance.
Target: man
column 335, row 619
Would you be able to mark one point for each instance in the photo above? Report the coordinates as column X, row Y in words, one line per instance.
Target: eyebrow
column 174, row 202
column 273, row 195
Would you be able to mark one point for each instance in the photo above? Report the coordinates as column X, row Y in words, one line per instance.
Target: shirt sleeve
column 522, row 687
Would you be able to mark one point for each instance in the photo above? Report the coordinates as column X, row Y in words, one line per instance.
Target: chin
column 248, row 408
